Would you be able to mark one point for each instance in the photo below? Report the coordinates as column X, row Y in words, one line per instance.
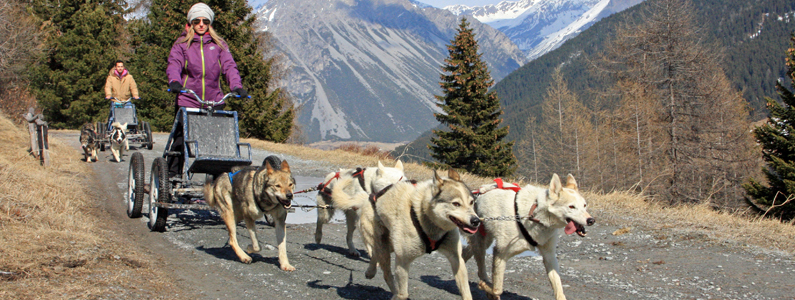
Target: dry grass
column 737, row 228
column 55, row 242
column 370, row 150
column 619, row 208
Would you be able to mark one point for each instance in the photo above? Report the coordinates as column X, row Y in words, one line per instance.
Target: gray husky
column 367, row 180
column 89, row 141
column 413, row 220
column 248, row 194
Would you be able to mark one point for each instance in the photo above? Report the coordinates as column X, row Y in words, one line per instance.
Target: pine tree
column 69, row 79
column 472, row 113
column 778, row 149
column 267, row 115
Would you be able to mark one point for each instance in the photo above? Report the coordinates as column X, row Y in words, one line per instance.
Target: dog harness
column 323, row 187
column 515, row 188
column 360, row 175
column 430, row 245
column 232, row 175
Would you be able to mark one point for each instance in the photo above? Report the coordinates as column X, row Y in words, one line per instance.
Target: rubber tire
column 148, row 132
column 103, row 131
column 160, row 191
column 135, row 186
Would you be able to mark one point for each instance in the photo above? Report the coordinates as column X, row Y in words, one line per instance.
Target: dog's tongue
column 570, row 228
column 469, row 230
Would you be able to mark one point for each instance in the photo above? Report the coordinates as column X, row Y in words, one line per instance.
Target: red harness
column 515, row 189
column 323, row 187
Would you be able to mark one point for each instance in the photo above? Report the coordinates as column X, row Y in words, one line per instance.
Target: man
column 120, row 85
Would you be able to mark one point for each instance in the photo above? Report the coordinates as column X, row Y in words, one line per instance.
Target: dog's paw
column 288, row 268
column 354, row 253
column 370, row 273
column 252, row 249
column 246, row 259
column 483, row 286
column 318, row 237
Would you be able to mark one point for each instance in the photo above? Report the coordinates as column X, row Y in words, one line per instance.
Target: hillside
column 752, row 35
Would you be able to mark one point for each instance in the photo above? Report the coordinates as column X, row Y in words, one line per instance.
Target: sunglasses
column 197, row 21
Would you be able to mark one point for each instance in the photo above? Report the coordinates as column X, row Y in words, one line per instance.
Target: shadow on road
column 353, row 290
column 452, row 288
column 335, row 249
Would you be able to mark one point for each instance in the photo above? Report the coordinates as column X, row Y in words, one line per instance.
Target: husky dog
column 248, row 194
column 547, row 211
column 368, row 180
column 89, row 141
column 118, row 140
column 413, row 220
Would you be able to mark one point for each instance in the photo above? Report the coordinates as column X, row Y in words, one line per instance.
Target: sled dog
column 118, row 140
column 249, row 193
column 412, row 220
column 546, row 212
column 89, row 141
column 367, row 180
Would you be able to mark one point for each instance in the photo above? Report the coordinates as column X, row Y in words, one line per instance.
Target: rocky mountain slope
column 368, row 69
column 540, row 26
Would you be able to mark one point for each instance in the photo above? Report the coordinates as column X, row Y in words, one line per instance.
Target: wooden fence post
column 31, row 118
column 39, row 136
column 44, row 140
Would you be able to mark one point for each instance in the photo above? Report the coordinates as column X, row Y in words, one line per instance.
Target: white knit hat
column 200, row 10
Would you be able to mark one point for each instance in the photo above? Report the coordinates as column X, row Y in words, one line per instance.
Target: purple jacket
column 201, row 74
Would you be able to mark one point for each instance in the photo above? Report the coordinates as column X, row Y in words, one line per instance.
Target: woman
column 197, row 60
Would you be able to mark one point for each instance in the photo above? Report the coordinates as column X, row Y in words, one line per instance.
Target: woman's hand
column 242, row 92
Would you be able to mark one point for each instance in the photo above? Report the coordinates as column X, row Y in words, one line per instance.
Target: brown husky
column 89, row 141
column 248, row 194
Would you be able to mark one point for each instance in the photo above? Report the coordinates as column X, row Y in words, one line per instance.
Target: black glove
column 242, row 92
column 175, row 87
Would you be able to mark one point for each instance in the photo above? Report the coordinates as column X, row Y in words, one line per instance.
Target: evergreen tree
column 69, row 79
column 472, row 113
column 778, row 149
column 267, row 115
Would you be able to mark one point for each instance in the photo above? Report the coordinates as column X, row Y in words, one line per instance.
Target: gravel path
column 642, row 264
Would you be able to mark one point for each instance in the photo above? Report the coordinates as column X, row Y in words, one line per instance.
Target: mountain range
column 540, row 26
column 368, row 70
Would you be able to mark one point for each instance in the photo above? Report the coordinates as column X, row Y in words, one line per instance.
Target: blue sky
column 443, row 3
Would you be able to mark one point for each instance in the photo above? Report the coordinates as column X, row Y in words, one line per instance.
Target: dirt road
column 646, row 263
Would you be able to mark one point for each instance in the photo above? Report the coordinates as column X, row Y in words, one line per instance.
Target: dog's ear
column 124, row 126
column 285, row 166
column 554, row 187
column 268, row 169
column 381, row 168
column 437, row 180
column 571, row 183
column 453, row 174
column 399, row 165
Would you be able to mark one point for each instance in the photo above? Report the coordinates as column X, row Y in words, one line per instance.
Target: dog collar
column 430, row 245
column 374, row 196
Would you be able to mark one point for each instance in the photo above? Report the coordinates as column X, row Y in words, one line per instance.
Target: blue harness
column 231, row 175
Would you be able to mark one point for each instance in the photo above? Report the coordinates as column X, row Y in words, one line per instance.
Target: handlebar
column 117, row 100
column 210, row 103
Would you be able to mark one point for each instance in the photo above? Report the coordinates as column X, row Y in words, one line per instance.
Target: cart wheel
column 148, row 133
column 103, row 131
column 160, row 192
column 135, row 186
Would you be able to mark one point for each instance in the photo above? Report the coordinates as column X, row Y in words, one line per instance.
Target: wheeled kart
column 211, row 146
